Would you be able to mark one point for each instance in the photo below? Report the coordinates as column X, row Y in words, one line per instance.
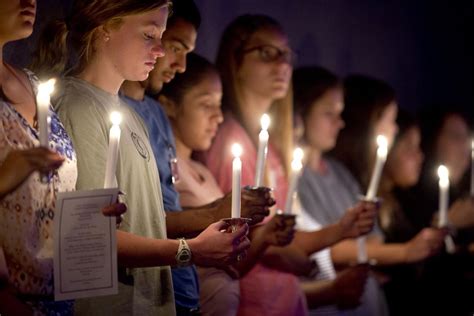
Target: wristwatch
column 183, row 256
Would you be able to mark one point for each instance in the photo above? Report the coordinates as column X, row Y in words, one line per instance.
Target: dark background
column 423, row 48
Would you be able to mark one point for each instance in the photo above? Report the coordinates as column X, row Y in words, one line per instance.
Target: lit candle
column 43, row 100
column 472, row 168
column 443, row 174
column 262, row 150
column 113, row 150
column 236, row 176
column 382, row 150
column 296, row 166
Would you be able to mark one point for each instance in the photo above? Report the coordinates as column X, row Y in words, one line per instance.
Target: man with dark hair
column 178, row 40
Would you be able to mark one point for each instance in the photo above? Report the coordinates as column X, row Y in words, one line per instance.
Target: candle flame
column 296, row 165
column 298, row 154
column 47, row 87
column 236, row 150
column 382, row 144
column 265, row 121
column 116, row 118
column 443, row 172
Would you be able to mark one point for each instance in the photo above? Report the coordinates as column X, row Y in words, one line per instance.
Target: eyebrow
column 153, row 23
column 176, row 39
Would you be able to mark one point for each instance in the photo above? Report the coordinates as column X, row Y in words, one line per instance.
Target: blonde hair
column 229, row 59
column 80, row 29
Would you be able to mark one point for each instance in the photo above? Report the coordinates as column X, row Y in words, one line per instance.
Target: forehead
column 268, row 36
column 156, row 17
column 181, row 31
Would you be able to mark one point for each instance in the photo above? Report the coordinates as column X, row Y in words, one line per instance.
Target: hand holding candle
column 262, row 150
column 296, row 166
column 43, row 100
column 113, row 150
column 382, row 151
column 236, row 177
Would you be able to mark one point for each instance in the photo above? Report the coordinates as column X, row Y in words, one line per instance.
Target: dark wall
column 423, row 48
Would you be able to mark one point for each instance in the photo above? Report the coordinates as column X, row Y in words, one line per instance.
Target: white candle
column 262, row 150
column 472, row 168
column 296, row 166
column 43, row 100
column 443, row 174
column 382, row 150
column 113, row 150
column 236, row 177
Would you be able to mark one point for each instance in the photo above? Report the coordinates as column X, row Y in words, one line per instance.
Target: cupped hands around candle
column 255, row 203
column 279, row 231
column 215, row 248
column 358, row 220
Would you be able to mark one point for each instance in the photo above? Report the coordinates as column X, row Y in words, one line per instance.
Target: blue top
column 185, row 280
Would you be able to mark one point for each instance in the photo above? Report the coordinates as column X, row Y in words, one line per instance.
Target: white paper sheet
column 85, row 246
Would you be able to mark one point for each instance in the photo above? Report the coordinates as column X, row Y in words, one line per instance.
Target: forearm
column 254, row 254
column 288, row 259
column 319, row 293
column 191, row 222
column 135, row 251
column 311, row 242
column 345, row 252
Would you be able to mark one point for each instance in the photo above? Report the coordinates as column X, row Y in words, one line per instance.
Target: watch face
column 184, row 255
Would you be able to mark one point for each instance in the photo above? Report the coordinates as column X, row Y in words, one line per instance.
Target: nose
column 158, row 49
column 180, row 63
column 219, row 116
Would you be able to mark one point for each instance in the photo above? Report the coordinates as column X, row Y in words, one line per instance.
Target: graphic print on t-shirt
column 140, row 146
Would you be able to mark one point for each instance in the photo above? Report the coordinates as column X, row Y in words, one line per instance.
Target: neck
column 182, row 151
column 251, row 113
column 133, row 89
column 314, row 158
column 102, row 75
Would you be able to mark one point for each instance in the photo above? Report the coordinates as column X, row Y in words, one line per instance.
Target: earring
column 107, row 38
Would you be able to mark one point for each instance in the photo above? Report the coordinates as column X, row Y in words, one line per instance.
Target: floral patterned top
column 27, row 214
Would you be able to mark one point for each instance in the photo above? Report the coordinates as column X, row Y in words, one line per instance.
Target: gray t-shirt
column 85, row 112
column 324, row 200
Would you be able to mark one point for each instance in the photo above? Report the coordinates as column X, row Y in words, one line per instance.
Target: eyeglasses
column 270, row 53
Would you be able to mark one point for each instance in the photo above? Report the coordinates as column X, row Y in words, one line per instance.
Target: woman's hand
column 425, row 244
column 358, row 220
column 117, row 210
column 19, row 164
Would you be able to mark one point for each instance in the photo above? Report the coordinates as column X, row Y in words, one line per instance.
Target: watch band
column 183, row 255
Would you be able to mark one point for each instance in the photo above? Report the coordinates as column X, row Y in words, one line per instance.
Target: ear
column 103, row 33
column 169, row 106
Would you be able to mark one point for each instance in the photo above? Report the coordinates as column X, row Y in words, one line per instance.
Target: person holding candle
column 445, row 140
column 327, row 187
column 192, row 101
column 255, row 63
column 178, row 40
column 114, row 41
column 26, row 203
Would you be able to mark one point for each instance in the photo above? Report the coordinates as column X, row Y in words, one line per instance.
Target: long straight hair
column 229, row 59
column 80, row 30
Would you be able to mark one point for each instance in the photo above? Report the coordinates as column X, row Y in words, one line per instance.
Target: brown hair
column 309, row 84
column 365, row 100
column 229, row 59
column 80, row 30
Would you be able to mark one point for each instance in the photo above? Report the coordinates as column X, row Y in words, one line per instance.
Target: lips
column 29, row 13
